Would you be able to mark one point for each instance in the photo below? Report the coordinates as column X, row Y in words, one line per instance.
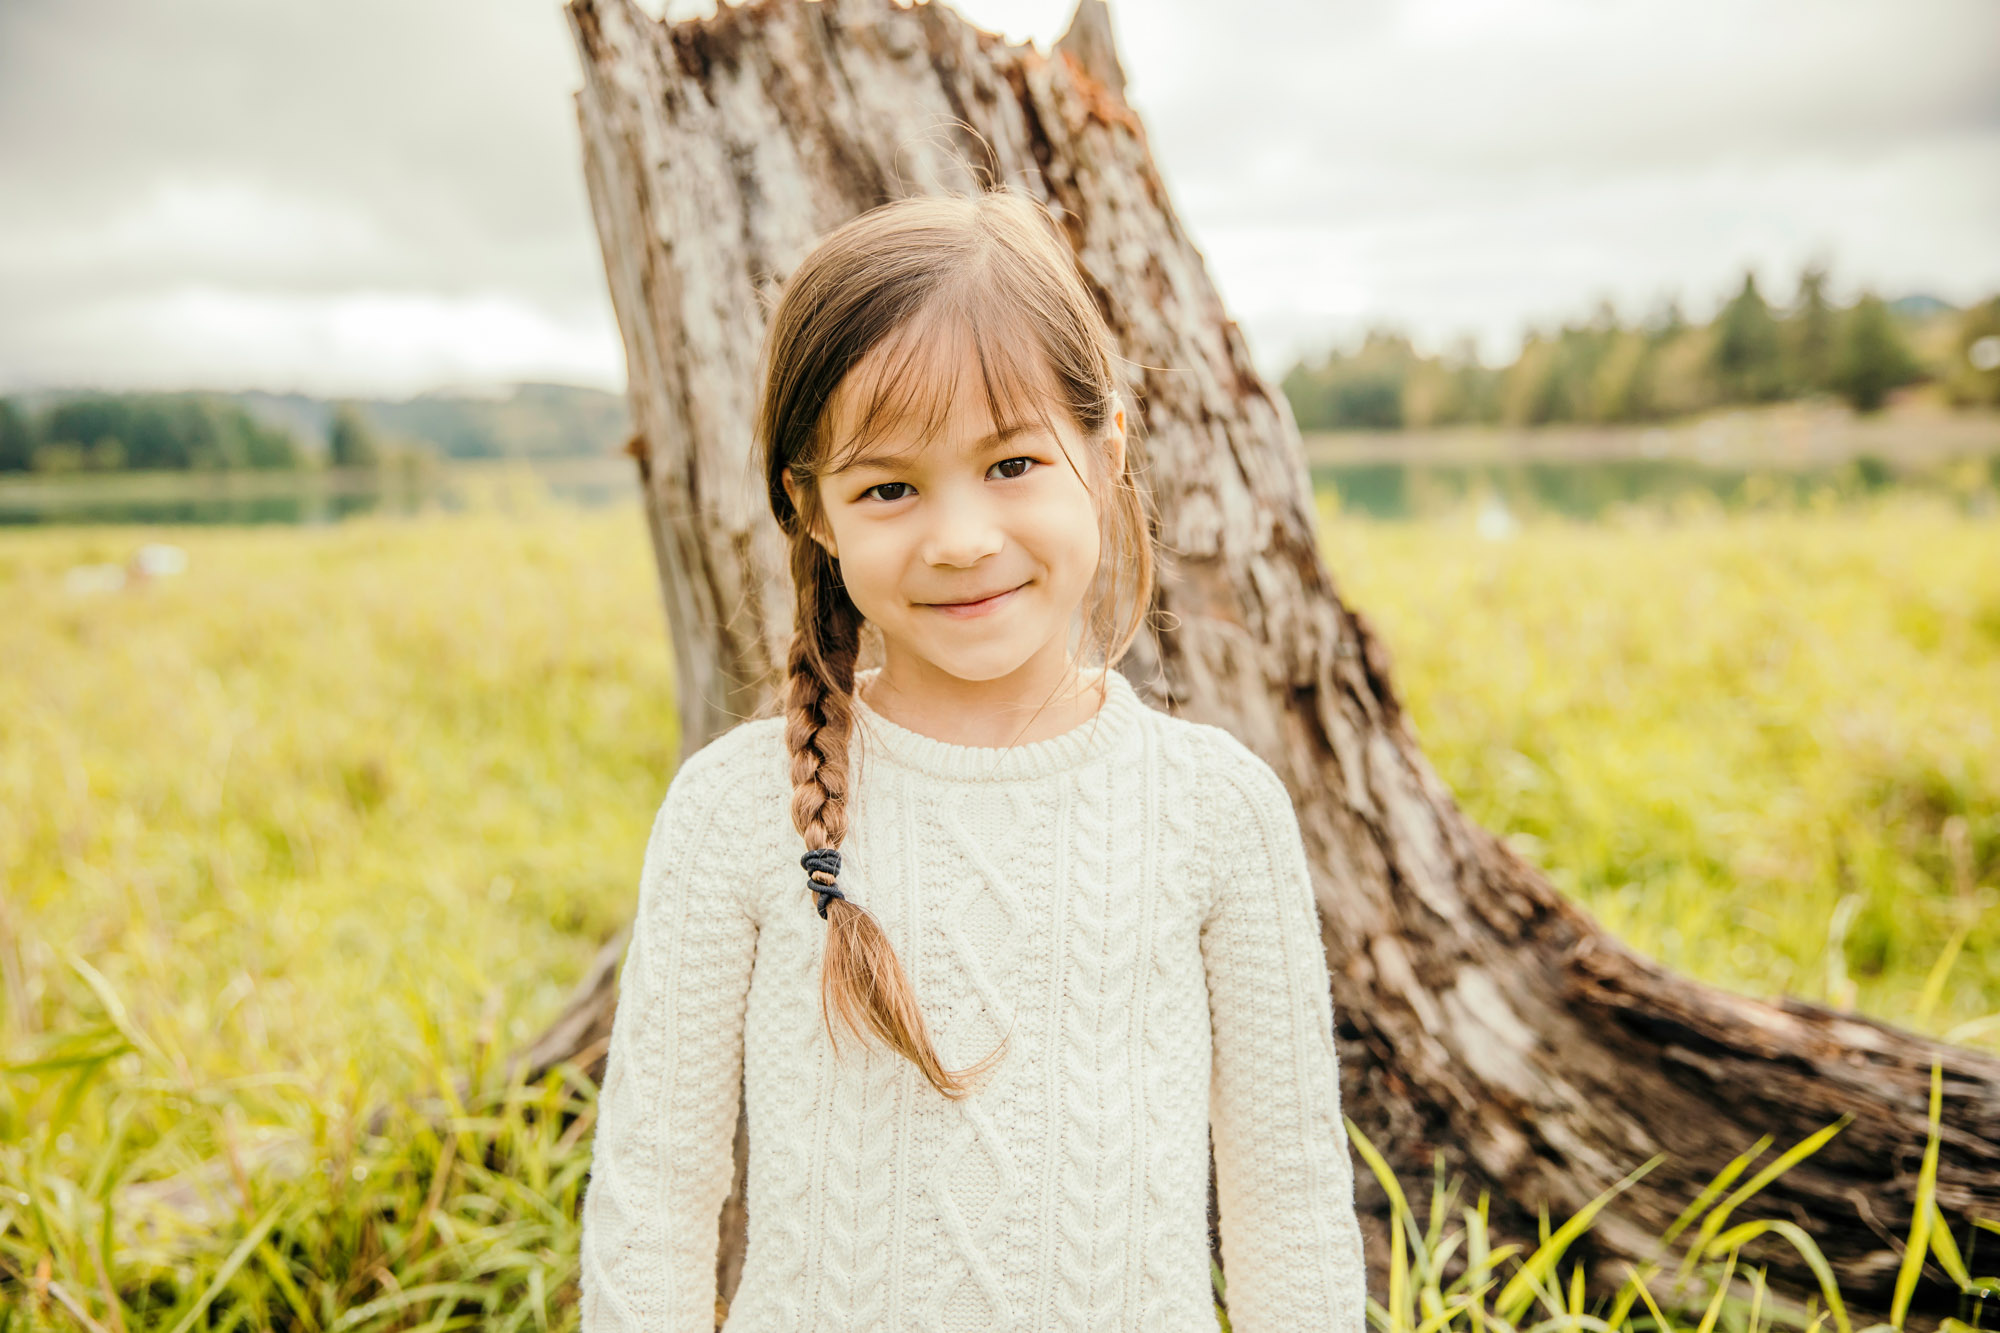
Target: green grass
column 1764, row 749
column 342, row 812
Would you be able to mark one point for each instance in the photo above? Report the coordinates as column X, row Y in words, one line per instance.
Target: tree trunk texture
column 1480, row 1014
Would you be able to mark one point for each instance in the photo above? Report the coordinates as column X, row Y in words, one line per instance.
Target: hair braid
column 861, row 978
column 819, row 715
column 890, row 291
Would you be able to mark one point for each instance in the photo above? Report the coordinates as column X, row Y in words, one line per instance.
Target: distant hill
column 526, row 421
column 1921, row 305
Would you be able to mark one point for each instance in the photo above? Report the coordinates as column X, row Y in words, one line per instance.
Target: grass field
column 1763, row 748
column 342, row 810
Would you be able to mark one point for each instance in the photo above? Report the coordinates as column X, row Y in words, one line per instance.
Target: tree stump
column 1480, row 1014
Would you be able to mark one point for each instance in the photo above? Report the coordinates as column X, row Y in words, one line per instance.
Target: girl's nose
column 961, row 535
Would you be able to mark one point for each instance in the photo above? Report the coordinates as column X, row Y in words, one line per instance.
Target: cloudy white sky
column 383, row 196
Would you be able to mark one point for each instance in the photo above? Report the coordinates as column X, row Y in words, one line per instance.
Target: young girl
column 1047, row 940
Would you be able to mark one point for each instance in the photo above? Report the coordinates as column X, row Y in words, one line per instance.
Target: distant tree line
column 1598, row 371
column 533, row 421
column 1604, row 371
column 107, row 432
column 178, row 431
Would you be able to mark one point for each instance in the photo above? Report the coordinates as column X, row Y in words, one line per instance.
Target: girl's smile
column 977, row 605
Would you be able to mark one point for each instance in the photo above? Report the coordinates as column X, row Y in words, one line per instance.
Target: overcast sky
column 382, row 197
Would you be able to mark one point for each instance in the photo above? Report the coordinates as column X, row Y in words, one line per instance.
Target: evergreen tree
column 1588, row 381
column 1531, row 389
column 1475, row 387
column 1873, row 357
column 17, row 438
column 1622, row 388
column 1745, row 355
column 1811, row 330
column 351, row 441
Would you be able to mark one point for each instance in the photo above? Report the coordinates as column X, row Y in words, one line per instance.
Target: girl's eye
column 1012, row 467
column 882, row 489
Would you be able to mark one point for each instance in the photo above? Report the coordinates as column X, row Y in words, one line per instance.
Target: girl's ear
column 1116, row 442
column 825, row 539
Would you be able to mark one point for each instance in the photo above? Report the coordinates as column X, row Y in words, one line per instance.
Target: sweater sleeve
column 1291, row 1243
column 666, row 1113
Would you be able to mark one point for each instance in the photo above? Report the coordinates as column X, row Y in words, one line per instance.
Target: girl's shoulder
column 724, row 817
column 1209, row 747
column 746, row 767
column 749, row 743
column 1213, row 764
column 1229, row 807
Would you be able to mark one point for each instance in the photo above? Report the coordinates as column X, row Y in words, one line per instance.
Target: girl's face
column 970, row 553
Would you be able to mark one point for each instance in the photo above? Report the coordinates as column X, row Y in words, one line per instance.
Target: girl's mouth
column 980, row 607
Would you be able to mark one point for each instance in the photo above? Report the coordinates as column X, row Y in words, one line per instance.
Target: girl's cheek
column 1076, row 531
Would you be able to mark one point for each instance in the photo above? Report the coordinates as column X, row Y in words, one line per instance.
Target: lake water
column 310, row 497
column 1375, row 486
column 1588, row 489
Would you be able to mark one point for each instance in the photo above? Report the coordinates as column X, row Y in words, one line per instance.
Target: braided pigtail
column 861, row 979
column 864, row 347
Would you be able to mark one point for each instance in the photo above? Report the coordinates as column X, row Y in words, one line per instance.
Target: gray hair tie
column 822, row 868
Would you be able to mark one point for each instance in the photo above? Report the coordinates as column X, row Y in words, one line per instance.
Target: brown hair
column 903, row 278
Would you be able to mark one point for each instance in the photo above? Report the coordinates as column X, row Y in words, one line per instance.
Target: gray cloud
column 382, row 197
column 1453, row 164
column 270, row 179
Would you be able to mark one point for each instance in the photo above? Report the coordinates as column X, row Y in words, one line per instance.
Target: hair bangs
column 904, row 391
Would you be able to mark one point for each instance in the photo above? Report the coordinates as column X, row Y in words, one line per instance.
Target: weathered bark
column 1480, row 1013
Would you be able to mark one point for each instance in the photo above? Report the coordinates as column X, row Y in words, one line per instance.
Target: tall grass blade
column 1515, row 1296
column 1714, row 1311
column 1738, row 1236
column 1926, row 1205
column 1785, row 1161
column 1948, row 1256
column 1723, row 1179
column 227, row 1273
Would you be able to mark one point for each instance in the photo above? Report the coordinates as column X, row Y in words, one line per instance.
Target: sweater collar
column 1118, row 716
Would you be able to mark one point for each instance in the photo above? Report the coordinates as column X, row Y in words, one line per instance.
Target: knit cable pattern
column 1127, row 903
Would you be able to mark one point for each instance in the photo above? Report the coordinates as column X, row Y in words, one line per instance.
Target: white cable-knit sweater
column 1129, row 902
